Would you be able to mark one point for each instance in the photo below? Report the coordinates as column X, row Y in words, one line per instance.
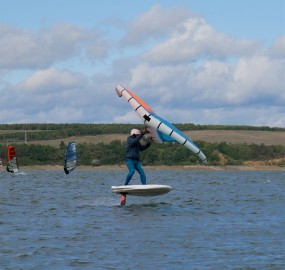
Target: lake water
column 210, row 220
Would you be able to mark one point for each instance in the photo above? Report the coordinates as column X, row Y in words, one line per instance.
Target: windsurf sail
column 70, row 161
column 12, row 160
column 160, row 130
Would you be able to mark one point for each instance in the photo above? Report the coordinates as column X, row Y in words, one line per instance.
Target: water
column 210, row 220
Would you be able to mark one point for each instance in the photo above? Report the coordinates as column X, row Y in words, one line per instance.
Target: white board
column 142, row 190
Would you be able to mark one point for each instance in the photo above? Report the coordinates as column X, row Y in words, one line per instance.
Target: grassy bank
column 162, row 167
column 252, row 147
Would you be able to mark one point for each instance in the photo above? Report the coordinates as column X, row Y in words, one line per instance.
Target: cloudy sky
column 202, row 62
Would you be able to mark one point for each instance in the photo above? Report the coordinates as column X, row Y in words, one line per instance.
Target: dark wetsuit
column 133, row 157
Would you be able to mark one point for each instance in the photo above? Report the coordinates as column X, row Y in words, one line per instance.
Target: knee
column 131, row 172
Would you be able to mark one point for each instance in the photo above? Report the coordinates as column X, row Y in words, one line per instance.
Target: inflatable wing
column 161, row 130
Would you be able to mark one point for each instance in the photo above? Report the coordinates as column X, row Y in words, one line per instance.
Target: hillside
column 53, row 134
column 211, row 136
column 104, row 144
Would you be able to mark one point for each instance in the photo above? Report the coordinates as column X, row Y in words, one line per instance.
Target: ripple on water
column 210, row 220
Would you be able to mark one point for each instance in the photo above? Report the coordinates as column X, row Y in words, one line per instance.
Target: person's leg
column 131, row 167
column 139, row 168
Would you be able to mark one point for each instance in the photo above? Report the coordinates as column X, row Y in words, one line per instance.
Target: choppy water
column 210, row 220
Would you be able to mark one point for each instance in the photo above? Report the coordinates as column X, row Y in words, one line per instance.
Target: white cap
column 135, row 132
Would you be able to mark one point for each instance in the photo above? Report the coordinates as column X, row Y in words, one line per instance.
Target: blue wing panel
column 164, row 137
column 171, row 127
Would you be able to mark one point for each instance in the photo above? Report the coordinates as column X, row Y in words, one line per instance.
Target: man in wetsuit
column 133, row 157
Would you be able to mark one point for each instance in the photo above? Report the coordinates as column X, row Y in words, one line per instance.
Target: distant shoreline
column 162, row 167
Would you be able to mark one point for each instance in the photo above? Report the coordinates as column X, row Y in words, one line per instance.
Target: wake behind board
column 142, row 190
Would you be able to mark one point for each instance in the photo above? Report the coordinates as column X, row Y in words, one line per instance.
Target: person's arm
column 133, row 141
column 147, row 145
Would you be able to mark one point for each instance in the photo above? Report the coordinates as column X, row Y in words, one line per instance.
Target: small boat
column 12, row 167
column 70, row 161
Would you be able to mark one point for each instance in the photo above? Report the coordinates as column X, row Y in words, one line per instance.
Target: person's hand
column 150, row 139
column 144, row 131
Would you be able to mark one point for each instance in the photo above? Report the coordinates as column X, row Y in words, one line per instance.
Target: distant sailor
column 133, row 157
column 70, row 161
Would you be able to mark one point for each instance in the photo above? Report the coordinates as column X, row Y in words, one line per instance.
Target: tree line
column 158, row 154
column 46, row 131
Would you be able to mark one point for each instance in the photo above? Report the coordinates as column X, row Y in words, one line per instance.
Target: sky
column 193, row 61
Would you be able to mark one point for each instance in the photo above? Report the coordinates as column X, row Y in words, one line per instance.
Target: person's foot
column 123, row 199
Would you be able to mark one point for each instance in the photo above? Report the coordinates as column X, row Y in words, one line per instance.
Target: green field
column 104, row 144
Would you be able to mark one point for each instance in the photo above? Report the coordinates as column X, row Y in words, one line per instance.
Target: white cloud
column 248, row 75
column 154, row 23
column 21, row 48
column 258, row 77
column 278, row 48
column 272, row 116
column 243, row 115
column 249, row 90
column 160, row 82
column 191, row 74
column 197, row 39
column 127, row 118
column 51, row 79
column 52, row 96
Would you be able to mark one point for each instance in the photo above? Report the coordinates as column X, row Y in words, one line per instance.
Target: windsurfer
column 133, row 157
